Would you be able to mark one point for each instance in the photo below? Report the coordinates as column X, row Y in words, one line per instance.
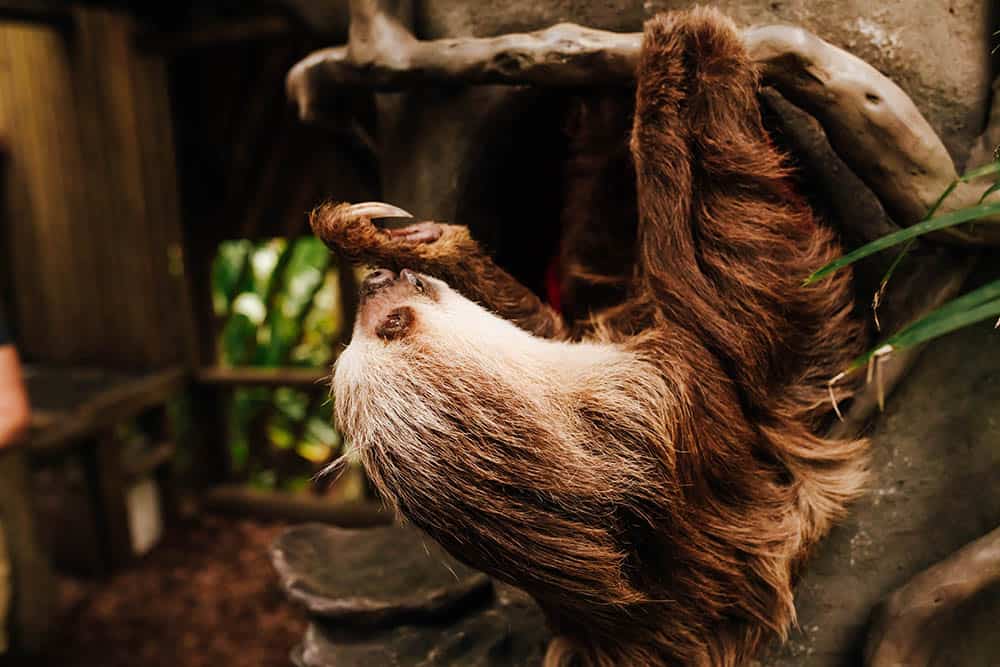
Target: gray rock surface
column 508, row 632
column 373, row 578
column 390, row 596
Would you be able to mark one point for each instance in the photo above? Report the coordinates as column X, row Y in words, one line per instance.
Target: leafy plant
column 976, row 306
column 279, row 304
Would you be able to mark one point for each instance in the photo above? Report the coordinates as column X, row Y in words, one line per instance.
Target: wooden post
column 103, row 465
column 209, row 412
column 91, row 196
column 34, row 592
column 161, row 430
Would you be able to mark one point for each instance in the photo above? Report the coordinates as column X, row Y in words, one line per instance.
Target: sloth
column 652, row 476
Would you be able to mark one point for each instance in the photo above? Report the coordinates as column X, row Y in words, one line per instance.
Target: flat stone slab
column 375, row 577
column 509, row 632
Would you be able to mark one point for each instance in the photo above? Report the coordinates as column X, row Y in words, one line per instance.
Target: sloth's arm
column 724, row 240
column 444, row 251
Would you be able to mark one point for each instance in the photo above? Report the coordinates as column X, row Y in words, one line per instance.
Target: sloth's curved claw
column 374, row 210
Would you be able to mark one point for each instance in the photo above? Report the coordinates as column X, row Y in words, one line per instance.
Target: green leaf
column 930, row 331
column 228, row 270
column 303, row 275
column 265, row 480
column 281, row 432
column 282, row 336
column 884, row 283
column 250, row 306
column 243, row 405
column 978, row 305
column 321, row 431
column 264, row 264
column 979, row 172
column 291, row 402
column 297, row 484
column 954, row 308
column 322, row 324
column 928, row 224
column 237, row 341
column 314, row 452
column 919, row 229
column 990, row 190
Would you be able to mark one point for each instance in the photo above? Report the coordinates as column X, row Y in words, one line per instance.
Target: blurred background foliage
column 278, row 305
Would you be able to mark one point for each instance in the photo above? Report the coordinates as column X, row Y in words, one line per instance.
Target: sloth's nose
column 376, row 280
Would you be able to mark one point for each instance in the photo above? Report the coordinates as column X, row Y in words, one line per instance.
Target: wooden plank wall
column 91, row 214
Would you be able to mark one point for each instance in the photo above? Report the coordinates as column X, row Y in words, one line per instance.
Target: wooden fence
column 93, row 232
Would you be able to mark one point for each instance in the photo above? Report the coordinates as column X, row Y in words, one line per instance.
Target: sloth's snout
column 376, row 281
column 386, row 299
column 384, row 295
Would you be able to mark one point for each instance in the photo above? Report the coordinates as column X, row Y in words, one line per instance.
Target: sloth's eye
column 415, row 281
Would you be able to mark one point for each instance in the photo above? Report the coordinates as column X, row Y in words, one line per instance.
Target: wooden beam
column 148, row 462
column 242, row 500
column 106, row 481
column 89, row 180
column 107, row 408
column 564, row 55
column 265, row 377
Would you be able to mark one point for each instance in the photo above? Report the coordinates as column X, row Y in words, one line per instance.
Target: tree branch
column 871, row 123
column 909, row 622
column 564, row 55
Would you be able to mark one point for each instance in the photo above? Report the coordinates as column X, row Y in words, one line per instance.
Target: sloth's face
column 390, row 302
column 412, row 314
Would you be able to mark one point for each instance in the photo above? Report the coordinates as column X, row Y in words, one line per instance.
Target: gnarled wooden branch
column 871, row 122
column 565, row 54
column 908, row 624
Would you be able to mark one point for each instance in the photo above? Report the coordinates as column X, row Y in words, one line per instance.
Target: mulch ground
column 207, row 596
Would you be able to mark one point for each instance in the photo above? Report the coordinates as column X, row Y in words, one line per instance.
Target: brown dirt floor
column 206, row 596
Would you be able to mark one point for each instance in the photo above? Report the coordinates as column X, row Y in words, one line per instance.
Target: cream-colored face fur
column 453, row 328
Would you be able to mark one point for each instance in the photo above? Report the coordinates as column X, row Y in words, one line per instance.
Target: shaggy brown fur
column 655, row 485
